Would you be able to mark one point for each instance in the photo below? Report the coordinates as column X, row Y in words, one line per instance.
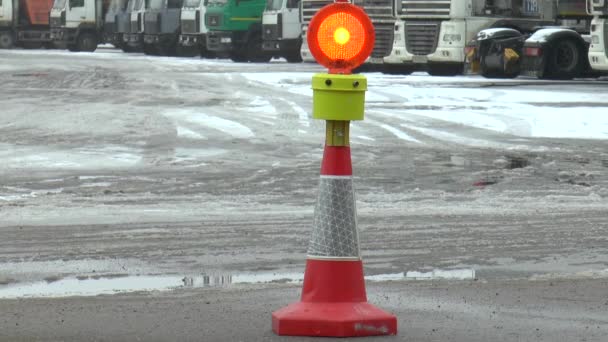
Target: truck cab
column 78, row 23
column 194, row 32
column 431, row 35
column 116, row 22
column 24, row 23
column 598, row 50
column 8, row 13
column 282, row 29
column 235, row 28
column 162, row 26
column 134, row 36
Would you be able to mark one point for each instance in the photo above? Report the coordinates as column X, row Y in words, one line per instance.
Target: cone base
column 333, row 320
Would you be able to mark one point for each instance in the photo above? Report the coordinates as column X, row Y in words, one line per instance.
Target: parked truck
column 24, row 23
column 116, row 23
column 193, row 39
column 381, row 15
column 78, row 23
column 431, row 35
column 235, row 29
column 162, row 27
column 598, row 50
column 556, row 52
column 133, row 37
column 282, row 29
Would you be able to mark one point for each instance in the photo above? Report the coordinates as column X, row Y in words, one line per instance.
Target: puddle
column 109, row 285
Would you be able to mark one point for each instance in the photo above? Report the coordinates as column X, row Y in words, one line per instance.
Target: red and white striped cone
column 334, row 301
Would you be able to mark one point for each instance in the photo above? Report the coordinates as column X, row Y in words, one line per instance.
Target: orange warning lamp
column 340, row 37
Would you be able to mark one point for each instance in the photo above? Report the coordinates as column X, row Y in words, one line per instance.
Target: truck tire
column 87, row 42
column 255, row 53
column 7, row 40
column 396, row 69
column 187, row 51
column 238, row 56
column 150, row 49
column 73, row 48
column 564, row 61
column 294, row 57
column 445, row 70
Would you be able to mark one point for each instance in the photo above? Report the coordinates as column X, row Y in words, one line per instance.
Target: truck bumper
column 34, row 36
column 133, row 39
column 220, row 41
column 532, row 66
column 151, row 38
column 63, row 34
column 192, row 39
column 113, row 38
column 400, row 55
column 281, row 45
column 598, row 60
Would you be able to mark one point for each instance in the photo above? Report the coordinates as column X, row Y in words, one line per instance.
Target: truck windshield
column 137, row 4
column 274, row 5
column 192, row 3
column 154, row 4
column 59, row 4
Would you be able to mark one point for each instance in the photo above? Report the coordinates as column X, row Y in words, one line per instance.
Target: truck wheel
column 187, row 51
column 294, row 57
column 446, row 70
column 206, row 53
column 31, row 45
column 564, row 61
column 6, row 40
column 150, row 49
column 87, row 42
column 395, row 69
column 254, row 50
column 73, row 48
column 238, row 56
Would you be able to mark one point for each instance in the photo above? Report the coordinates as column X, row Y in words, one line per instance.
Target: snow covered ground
column 113, row 155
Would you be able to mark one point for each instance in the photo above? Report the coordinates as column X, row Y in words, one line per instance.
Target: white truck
column 78, row 23
column 193, row 39
column 431, row 35
column 598, row 50
column 25, row 23
column 282, row 29
column 134, row 36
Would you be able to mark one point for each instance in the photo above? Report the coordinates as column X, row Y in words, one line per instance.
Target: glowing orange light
column 340, row 37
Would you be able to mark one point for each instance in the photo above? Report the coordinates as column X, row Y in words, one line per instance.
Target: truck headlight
column 225, row 40
column 452, row 37
column 595, row 39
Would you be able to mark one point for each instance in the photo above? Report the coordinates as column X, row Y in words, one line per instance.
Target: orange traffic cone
column 334, row 302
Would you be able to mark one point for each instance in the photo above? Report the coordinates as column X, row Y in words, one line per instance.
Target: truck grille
column 599, row 7
column 311, row 7
column 213, row 20
column 55, row 22
column 421, row 37
column 270, row 32
column 189, row 26
column 151, row 23
column 425, row 9
column 381, row 14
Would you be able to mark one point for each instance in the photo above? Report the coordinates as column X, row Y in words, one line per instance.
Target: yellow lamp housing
column 338, row 97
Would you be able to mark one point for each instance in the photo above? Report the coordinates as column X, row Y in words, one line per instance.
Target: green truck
column 235, row 29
